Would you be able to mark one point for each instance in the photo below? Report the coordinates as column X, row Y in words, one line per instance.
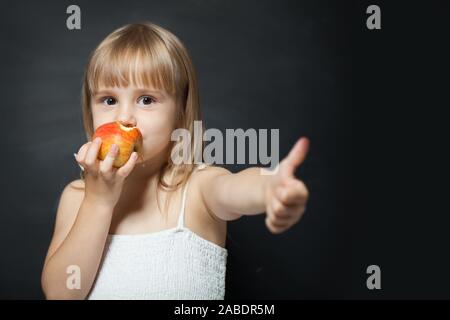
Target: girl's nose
column 126, row 115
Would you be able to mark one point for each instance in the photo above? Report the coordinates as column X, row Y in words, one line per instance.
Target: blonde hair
column 145, row 54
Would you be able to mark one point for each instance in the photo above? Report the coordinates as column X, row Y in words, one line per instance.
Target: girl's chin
column 142, row 161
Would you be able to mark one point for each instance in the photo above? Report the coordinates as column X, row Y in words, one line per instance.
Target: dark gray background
column 306, row 67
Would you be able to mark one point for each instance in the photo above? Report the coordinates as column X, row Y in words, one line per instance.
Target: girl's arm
column 280, row 194
column 80, row 233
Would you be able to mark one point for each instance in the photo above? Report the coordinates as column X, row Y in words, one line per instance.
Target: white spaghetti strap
column 180, row 224
column 201, row 166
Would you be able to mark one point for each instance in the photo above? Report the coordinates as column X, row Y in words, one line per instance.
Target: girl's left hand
column 286, row 196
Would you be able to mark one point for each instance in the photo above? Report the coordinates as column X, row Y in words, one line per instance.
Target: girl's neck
column 142, row 182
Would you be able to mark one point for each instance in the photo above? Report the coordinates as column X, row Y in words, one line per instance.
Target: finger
column 280, row 220
column 126, row 169
column 278, row 211
column 294, row 193
column 79, row 157
column 82, row 152
column 278, row 227
column 106, row 166
column 81, row 167
column 273, row 228
column 278, row 224
column 92, row 153
column 286, row 214
column 296, row 156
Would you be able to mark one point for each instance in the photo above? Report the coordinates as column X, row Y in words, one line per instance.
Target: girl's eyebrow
column 155, row 92
column 102, row 92
column 138, row 91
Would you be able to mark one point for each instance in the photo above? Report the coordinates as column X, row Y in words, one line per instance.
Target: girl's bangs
column 140, row 67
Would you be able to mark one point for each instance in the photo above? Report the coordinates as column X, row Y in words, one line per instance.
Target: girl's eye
column 109, row 101
column 146, row 100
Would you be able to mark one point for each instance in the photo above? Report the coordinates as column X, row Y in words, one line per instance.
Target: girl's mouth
column 126, row 127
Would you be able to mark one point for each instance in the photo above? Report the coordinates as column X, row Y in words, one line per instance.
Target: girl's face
column 152, row 111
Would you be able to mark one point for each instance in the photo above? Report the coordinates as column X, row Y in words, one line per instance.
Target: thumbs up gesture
column 286, row 196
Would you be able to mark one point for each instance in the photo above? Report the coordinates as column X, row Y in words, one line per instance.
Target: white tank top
column 170, row 264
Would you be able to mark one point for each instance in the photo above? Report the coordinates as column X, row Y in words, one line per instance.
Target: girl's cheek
column 161, row 129
column 98, row 119
column 158, row 139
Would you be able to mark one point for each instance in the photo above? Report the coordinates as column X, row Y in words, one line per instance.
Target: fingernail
column 97, row 140
column 75, row 155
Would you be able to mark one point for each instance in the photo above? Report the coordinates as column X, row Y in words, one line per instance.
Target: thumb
column 296, row 156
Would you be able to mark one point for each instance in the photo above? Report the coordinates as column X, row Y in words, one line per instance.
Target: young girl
column 112, row 238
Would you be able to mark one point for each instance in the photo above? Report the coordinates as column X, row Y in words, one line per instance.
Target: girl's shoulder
column 202, row 219
column 210, row 169
column 204, row 180
column 204, row 174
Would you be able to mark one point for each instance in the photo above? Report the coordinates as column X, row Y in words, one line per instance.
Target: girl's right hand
column 103, row 182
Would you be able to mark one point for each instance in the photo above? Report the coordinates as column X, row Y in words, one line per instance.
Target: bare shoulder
column 207, row 172
column 200, row 182
column 202, row 177
column 200, row 218
column 210, row 181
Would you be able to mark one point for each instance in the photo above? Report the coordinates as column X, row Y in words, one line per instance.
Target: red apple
column 127, row 138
